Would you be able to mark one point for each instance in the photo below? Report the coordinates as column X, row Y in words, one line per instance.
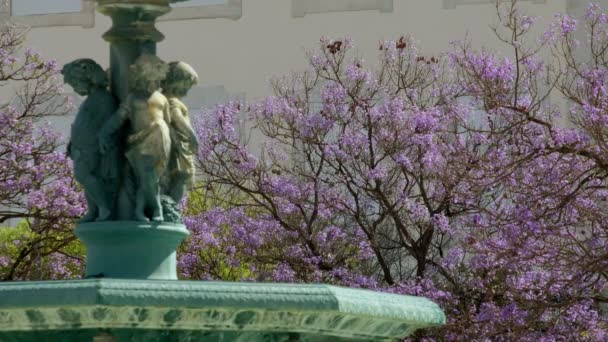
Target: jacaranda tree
column 36, row 185
column 457, row 177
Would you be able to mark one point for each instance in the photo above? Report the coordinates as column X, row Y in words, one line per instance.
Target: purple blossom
column 567, row 24
column 461, row 186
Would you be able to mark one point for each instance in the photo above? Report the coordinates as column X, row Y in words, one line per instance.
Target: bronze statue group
column 134, row 160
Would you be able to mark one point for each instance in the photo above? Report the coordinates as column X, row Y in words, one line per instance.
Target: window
column 300, row 8
column 191, row 3
column 37, row 13
column 201, row 9
column 29, row 7
column 451, row 4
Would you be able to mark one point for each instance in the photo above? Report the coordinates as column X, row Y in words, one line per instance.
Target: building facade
column 237, row 45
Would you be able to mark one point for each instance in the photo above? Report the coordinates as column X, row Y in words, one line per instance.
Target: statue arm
column 181, row 124
column 112, row 125
column 115, row 121
column 167, row 113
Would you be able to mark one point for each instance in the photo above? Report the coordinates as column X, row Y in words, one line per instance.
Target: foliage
column 36, row 183
column 451, row 177
column 210, row 253
column 64, row 263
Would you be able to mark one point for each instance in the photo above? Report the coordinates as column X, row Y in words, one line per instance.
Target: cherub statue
column 148, row 144
column 184, row 142
column 97, row 173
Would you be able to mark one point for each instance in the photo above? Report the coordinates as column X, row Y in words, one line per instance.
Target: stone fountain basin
column 172, row 310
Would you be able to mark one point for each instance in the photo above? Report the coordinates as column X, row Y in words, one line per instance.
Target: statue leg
column 148, row 189
column 139, row 165
column 97, row 194
column 91, row 214
column 140, row 205
column 157, row 215
column 97, row 200
column 151, row 190
column 177, row 186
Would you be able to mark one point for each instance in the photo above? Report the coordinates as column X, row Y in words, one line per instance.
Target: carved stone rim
column 213, row 306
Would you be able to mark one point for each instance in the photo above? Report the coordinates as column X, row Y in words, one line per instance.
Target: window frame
column 452, row 4
column 300, row 8
column 84, row 18
column 232, row 9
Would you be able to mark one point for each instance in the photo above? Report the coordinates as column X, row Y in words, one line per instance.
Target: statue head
column 146, row 74
column 180, row 78
column 84, row 75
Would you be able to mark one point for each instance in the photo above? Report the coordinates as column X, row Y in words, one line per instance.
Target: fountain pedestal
column 131, row 249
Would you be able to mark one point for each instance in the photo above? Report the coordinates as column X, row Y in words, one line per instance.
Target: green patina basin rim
column 207, row 311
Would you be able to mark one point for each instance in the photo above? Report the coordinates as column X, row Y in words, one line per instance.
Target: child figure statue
column 97, row 173
column 148, row 145
column 184, row 142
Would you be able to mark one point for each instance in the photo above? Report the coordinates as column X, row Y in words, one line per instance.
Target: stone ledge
column 243, row 308
column 84, row 18
column 300, row 8
column 451, row 4
column 232, row 9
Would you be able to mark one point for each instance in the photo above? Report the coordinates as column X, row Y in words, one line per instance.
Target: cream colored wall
column 268, row 41
column 241, row 55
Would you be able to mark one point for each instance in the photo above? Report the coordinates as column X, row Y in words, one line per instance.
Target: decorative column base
column 130, row 249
